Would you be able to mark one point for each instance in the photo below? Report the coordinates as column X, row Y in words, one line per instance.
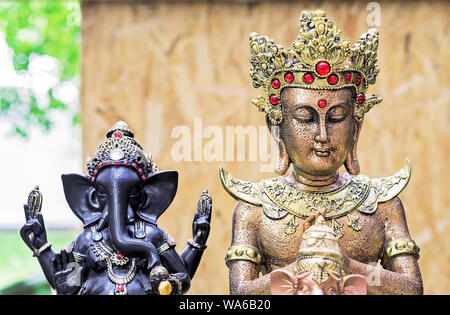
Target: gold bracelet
column 404, row 246
column 39, row 251
column 243, row 252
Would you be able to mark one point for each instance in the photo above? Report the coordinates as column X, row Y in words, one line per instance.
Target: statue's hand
column 163, row 287
column 309, row 221
column 201, row 224
column 33, row 232
column 67, row 274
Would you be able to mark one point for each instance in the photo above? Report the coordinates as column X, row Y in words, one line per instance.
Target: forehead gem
column 322, row 103
column 117, row 134
column 116, row 154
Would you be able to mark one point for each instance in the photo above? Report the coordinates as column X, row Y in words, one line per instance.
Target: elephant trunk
column 120, row 239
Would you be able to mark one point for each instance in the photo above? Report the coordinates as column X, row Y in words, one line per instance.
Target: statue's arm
column 172, row 261
column 401, row 273
column 244, row 274
column 201, row 227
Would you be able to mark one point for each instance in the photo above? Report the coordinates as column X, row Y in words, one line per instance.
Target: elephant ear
column 354, row 285
column 160, row 189
column 282, row 282
column 79, row 194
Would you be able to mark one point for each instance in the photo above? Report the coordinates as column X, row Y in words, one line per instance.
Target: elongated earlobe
column 352, row 163
column 283, row 160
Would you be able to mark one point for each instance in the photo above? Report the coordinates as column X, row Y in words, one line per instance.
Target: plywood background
column 160, row 65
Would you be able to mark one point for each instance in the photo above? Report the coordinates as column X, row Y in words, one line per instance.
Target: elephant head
column 122, row 186
column 320, row 267
column 287, row 283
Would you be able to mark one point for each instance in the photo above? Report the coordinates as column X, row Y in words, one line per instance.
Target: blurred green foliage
column 32, row 28
column 20, row 273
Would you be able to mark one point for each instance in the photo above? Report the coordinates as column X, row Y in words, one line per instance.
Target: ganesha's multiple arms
column 192, row 254
column 33, row 233
column 401, row 273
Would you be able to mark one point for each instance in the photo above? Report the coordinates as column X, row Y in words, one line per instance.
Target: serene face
column 317, row 128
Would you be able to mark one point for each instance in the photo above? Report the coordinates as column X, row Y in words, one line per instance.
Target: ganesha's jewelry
column 319, row 59
column 34, row 202
column 320, row 253
column 39, row 251
column 243, row 252
column 196, row 245
column 111, row 258
column 401, row 247
column 139, row 229
column 168, row 244
column 96, row 235
column 279, row 199
column 120, row 148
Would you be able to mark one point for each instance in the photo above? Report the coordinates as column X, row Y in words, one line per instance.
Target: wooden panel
column 161, row 65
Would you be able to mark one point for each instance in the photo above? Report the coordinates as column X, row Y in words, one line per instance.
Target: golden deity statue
column 315, row 94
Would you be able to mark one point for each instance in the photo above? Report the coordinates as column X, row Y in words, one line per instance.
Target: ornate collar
column 279, row 199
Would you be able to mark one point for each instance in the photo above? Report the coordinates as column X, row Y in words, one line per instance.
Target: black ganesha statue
column 121, row 249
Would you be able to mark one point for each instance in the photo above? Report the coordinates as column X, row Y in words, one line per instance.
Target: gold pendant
column 338, row 228
column 291, row 226
column 354, row 222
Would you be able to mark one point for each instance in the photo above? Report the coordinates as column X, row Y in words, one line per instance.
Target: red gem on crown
column 143, row 177
column 308, row 78
column 322, row 103
column 361, row 98
column 117, row 134
column 120, row 256
column 333, row 79
column 120, row 287
column 273, row 100
column 289, row 77
column 358, row 80
column 348, row 77
column 276, row 84
column 323, row 68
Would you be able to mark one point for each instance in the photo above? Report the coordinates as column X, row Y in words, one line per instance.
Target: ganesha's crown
column 319, row 59
column 120, row 148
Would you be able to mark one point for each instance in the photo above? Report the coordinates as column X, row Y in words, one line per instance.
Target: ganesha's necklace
column 111, row 258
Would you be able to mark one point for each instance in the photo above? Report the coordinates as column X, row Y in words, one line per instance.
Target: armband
column 243, row 252
column 401, row 247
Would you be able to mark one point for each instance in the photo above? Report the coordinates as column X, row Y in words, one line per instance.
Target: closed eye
column 304, row 115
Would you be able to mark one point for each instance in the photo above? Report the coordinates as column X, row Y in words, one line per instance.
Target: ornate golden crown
column 319, row 60
column 320, row 253
column 120, row 148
